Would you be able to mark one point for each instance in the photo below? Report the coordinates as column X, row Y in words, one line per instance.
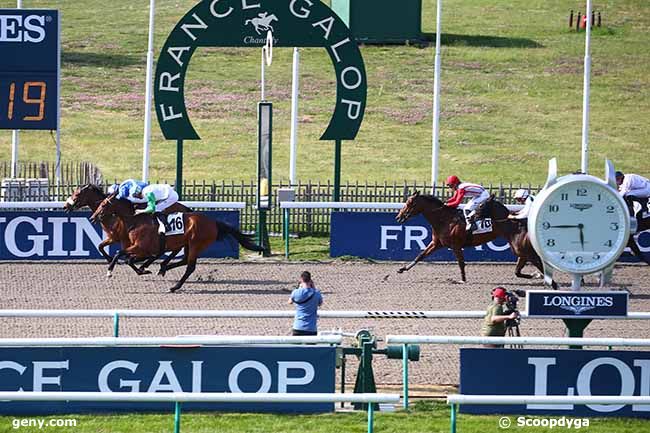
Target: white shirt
column 159, row 190
column 633, row 182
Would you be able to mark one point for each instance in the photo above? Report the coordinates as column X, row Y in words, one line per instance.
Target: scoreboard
column 29, row 68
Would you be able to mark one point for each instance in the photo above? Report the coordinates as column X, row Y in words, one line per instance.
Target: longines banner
column 580, row 305
column 294, row 369
column 556, row 372
column 63, row 236
column 376, row 235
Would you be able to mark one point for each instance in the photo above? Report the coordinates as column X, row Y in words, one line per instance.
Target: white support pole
column 57, row 169
column 436, row 101
column 294, row 116
column 263, row 78
column 147, row 94
column 15, row 134
column 585, row 95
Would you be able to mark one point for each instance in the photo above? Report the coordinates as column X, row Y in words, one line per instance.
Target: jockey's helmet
column 521, row 194
column 452, row 181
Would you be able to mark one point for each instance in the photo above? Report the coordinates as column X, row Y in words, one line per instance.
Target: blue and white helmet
column 521, row 194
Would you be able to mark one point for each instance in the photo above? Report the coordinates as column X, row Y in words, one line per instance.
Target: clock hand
column 582, row 236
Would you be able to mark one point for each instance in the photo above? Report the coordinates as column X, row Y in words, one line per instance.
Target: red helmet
column 452, row 180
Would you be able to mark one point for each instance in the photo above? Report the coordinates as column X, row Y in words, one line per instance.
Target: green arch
column 241, row 23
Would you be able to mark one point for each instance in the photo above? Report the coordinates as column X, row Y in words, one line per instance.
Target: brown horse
column 448, row 230
column 91, row 196
column 643, row 225
column 200, row 232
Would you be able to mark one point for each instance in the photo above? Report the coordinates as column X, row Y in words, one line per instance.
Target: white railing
column 170, row 341
column 277, row 314
column 405, row 340
column 60, row 204
column 356, row 205
column 206, row 397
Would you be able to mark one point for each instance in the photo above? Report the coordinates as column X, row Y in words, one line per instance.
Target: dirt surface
column 238, row 285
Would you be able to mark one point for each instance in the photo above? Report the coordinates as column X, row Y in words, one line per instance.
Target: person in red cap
column 494, row 324
column 476, row 193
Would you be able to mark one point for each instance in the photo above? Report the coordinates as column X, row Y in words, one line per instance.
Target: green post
column 262, row 233
column 286, row 233
column 179, row 169
column 177, row 418
column 337, row 171
column 371, row 421
column 405, row 376
column 116, row 325
column 452, row 418
column 575, row 328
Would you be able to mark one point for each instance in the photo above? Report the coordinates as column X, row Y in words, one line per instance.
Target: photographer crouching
column 497, row 321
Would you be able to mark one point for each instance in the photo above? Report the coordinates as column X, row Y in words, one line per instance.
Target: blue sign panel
column 63, row 236
column 295, row 369
column 376, row 235
column 555, row 372
column 580, row 305
column 29, row 49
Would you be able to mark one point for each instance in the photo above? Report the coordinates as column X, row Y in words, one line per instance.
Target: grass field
column 425, row 417
column 511, row 96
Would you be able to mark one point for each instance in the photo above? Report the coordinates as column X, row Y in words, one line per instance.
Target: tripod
column 512, row 330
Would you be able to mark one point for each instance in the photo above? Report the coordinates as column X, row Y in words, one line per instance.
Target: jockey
column 477, row 194
column 634, row 188
column 127, row 188
column 158, row 198
column 522, row 196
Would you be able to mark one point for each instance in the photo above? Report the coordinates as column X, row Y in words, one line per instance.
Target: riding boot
column 163, row 225
column 469, row 218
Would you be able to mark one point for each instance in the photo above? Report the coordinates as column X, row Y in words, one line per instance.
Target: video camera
column 512, row 298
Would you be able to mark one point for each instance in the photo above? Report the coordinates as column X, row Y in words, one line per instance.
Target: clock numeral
column 610, row 209
column 550, row 242
column 546, row 225
column 581, row 192
column 12, row 95
column 613, row 226
column 596, row 256
column 609, row 243
column 564, row 196
column 554, row 208
column 562, row 256
column 598, row 197
column 579, row 260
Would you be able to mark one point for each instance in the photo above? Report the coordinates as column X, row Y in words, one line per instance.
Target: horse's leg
column 458, row 252
column 190, row 258
column 101, row 247
column 521, row 262
column 109, row 272
column 163, row 265
column 433, row 245
column 635, row 249
column 181, row 262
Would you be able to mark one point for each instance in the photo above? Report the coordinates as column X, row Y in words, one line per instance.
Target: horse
column 200, row 231
column 643, row 224
column 448, row 230
column 262, row 22
column 91, row 196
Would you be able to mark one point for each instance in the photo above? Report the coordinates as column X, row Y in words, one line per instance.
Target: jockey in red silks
column 475, row 192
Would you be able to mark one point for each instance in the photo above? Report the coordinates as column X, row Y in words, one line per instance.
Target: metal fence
column 78, row 173
column 303, row 221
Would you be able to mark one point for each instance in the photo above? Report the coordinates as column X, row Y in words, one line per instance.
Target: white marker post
column 147, row 94
column 585, row 95
column 436, row 102
column 15, row 134
column 294, row 117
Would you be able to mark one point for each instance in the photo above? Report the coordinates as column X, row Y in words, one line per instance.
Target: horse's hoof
column 144, row 272
column 173, row 289
column 401, row 270
column 162, row 272
column 538, row 276
column 385, row 278
column 109, row 274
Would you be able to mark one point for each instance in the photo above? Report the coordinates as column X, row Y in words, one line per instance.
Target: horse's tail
column 245, row 241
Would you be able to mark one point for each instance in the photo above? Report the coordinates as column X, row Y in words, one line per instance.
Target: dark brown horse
column 200, row 232
column 643, row 225
column 91, row 196
column 448, row 230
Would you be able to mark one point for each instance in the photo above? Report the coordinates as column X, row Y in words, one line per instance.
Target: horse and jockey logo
column 581, row 206
column 262, row 23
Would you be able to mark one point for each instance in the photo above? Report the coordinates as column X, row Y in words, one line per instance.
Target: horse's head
column 416, row 204
column 110, row 206
column 85, row 195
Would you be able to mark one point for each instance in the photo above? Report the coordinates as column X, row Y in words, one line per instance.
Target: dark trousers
column 298, row 332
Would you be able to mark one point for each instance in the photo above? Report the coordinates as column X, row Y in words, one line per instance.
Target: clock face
column 580, row 226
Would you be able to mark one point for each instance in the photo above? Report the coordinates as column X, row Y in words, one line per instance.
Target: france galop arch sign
column 244, row 23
